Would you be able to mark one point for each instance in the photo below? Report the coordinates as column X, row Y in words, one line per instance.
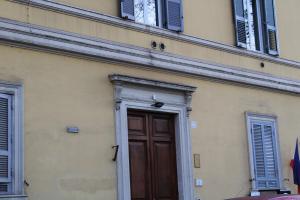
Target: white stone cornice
column 151, row 83
column 60, row 42
column 118, row 22
column 120, row 80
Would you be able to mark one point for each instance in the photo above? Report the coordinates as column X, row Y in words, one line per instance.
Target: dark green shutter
column 174, row 15
column 240, row 23
column 127, row 9
column 270, row 27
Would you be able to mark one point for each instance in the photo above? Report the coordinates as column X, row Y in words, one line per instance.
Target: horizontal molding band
column 13, row 197
column 151, row 83
column 52, row 40
column 118, row 22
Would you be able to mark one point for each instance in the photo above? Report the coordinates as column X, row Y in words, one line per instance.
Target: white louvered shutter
column 127, row 9
column 265, row 156
column 240, row 21
column 174, row 15
column 5, row 143
column 270, row 27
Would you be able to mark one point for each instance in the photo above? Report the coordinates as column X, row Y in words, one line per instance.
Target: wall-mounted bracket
column 116, row 152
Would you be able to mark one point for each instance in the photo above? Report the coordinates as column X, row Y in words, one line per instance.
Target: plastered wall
column 86, row 27
column 212, row 20
column 61, row 91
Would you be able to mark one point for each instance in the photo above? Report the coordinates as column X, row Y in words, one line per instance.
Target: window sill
column 257, row 53
column 13, row 197
column 262, row 53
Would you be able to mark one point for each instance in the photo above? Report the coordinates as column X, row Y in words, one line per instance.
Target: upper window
column 162, row 13
column 256, row 26
column 264, row 152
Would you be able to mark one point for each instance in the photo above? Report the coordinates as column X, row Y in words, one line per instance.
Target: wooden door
column 152, row 156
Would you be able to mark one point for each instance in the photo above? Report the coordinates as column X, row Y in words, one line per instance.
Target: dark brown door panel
column 152, row 156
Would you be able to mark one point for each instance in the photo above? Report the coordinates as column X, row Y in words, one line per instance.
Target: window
column 255, row 25
column 264, row 152
column 5, row 143
column 11, row 142
column 162, row 13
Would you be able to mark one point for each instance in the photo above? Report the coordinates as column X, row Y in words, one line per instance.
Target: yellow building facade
column 71, row 70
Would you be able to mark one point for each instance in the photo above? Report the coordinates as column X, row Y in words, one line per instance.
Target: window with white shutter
column 270, row 27
column 163, row 13
column 5, row 144
column 264, row 152
column 255, row 25
column 174, row 15
column 11, row 142
column 240, row 21
column 127, row 9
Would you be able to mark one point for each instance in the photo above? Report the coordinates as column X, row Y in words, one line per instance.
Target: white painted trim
column 118, row 22
column 16, row 91
column 60, row 42
column 260, row 28
column 159, row 13
column 152, row 83
column 250, row 116
column 276, row 25
column 131, row 95
column 13, row 197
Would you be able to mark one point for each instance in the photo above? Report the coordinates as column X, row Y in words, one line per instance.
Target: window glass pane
column 255, row 7
column 239, row 7
column 151, row 5
column 139, row 11
column 270, row 12
column 251, row 36
column 145, row 11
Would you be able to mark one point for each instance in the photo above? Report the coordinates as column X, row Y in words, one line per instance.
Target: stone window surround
column 16, row 91
column 264, row 117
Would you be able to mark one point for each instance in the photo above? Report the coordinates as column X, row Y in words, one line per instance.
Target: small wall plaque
column 72, row 129
column 194, row 124
column 199, row 182
column 197, row 161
